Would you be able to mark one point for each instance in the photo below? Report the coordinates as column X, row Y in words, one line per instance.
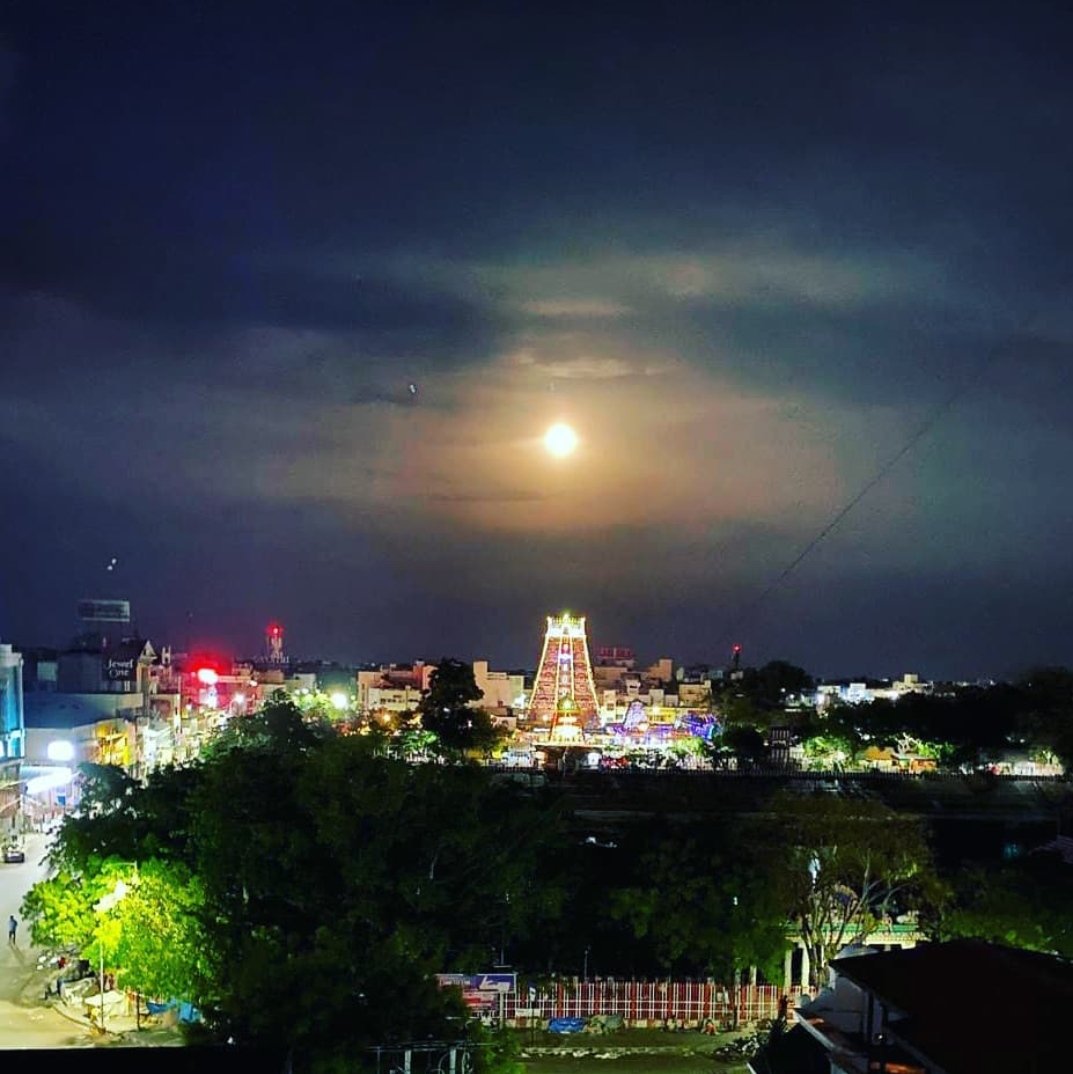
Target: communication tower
column 274, row 644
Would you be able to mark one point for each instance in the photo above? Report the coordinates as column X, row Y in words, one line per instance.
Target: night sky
column 747, row 250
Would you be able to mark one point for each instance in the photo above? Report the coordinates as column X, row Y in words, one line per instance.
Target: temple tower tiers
column 564, row 693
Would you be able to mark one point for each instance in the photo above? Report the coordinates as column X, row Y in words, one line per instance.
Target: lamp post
column 102, row 906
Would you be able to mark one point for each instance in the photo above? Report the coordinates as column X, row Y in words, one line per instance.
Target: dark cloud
column 748, row 249
column 131, row 277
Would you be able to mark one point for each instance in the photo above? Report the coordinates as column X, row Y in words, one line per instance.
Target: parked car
column 13, row 852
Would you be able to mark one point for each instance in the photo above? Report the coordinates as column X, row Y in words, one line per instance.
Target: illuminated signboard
column 481, row 991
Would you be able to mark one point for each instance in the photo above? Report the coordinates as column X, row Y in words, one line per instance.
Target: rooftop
column 66, row 711
column 973, row 1007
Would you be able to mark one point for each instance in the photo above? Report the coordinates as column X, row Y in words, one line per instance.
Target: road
column 26, row 1021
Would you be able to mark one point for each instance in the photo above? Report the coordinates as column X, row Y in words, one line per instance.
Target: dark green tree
column 302, row 888
column 338, row 882
column 839, row 866
column 746, row 745
column 770, row 686
column 104, row 788
column 1025, row 904
column 835, row 730
column 705, row 906
column 144, row 821
column 1046, row 719
column 447, row 709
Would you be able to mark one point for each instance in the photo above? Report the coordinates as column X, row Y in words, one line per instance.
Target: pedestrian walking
column 12, row 928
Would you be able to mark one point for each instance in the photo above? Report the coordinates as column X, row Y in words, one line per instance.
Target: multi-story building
column 412, row 679
column 613, row 664
column 616, row 666
column 11, row 704
column 864, row 693
column 224, row 689
column 64, row 730
column 695, row 695
column 503, row 691
column 12, row 732
column 391, row 700
column 107, row 699
column 397, row 689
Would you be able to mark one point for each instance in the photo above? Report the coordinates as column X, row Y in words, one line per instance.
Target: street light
column 102, row 906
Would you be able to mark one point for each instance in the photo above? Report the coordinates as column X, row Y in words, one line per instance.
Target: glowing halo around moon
column 560, row 440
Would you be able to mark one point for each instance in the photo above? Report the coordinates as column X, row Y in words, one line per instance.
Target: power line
column 921, row 431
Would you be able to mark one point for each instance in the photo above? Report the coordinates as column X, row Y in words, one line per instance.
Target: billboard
column 104, row 611
column 481, row 991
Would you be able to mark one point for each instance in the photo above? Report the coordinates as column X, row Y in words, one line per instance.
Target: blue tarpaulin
column 188, row 1013
column 566, row 1025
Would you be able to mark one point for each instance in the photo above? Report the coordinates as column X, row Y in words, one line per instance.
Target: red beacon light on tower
column 274, row 644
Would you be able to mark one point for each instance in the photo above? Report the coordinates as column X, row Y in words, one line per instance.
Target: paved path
column 26, row 1021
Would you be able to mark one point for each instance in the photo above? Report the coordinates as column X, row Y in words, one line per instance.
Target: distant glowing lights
column 560, row 440
column 340, row 702
column 207, row 676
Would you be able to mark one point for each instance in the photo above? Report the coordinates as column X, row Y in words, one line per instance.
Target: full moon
column 560, row 440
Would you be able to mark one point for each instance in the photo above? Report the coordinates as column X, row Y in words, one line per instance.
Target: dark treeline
column 965, row 724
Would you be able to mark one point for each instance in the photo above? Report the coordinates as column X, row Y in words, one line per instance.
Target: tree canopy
column 1026, row 904
column 302, row 888
column 839, row 866
column 703, row 902
column 447, row 709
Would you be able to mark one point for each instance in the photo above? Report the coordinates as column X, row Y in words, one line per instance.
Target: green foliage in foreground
column 1026, row 904
column 300, row 887
column 705, row 906
column 840, row 866
column 144, row 919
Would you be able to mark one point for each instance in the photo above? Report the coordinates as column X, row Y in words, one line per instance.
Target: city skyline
column 194, row 652
column 290, row 301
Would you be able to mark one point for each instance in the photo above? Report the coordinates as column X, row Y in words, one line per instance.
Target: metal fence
column 422, row 1057
column 649, row 1003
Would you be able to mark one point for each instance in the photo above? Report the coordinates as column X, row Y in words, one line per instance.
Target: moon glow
column 560, row 440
